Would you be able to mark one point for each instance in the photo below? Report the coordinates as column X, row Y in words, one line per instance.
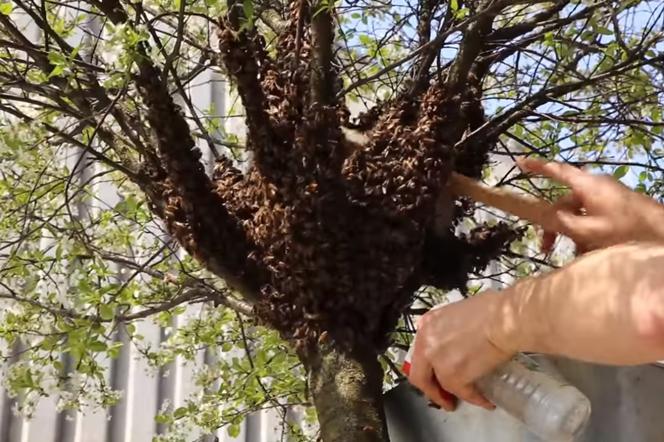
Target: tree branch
column 515, row 113
column 191, row 295
column 521, row 44
column 175, row 53
column 515, row 31
column 247, row 62
column 194, row 213
column 323, row 77
column 433, row 45
column 421, row 69
column 69, row 138
column 473, row 42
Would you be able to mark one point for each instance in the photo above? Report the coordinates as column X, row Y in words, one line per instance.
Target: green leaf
column 366, row 40
column 462, row 13
column 548, row 39
column 74, row 53
column 56, row 72
column 604, row 30
column 114, row 349
column 180, row 412
column 162, row 419
column 26, row 380
column 620, row 172
column 248, row 7
column 233, row 430
column 454, row 4
column 107, row 312
column 97, row 346
column 6, row 8
column 322, row 6
column 87, row 134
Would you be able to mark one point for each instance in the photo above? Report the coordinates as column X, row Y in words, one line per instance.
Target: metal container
column 627, row 406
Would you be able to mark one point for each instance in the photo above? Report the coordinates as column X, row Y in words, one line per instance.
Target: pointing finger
column 560, row 172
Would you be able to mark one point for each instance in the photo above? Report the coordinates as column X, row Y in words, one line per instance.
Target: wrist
column 504, row 325
column 516, row 326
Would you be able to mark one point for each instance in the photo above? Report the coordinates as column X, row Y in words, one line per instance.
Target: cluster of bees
column 179, row 190
column 335, row 236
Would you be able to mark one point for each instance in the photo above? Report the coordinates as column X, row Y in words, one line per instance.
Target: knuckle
column 449, row 379
column 417, row 380
column 446, row 377
column 455, row 388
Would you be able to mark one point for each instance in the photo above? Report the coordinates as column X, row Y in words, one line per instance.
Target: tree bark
column 347, row 393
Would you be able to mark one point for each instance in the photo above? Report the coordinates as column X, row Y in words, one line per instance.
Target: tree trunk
column 347, row 393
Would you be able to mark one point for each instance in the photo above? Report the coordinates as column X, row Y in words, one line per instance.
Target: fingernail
column 446, row 395
column 450, row 406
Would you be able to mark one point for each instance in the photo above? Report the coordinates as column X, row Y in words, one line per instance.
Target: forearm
column 606, row 307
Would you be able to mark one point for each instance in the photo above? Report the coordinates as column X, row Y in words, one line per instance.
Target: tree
column 318, row 237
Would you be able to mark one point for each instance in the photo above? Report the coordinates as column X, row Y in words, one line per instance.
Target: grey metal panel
column 91, row 426
column 165, row 385
column 410, row 419
column 627, row 401
column 627, row 407
column 41, row 428
column 8, row 423
column 66, row 420
column 120, row 377
column 11, row 428
column 141, row 391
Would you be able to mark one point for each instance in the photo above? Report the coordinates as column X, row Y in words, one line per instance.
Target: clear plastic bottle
column 548, row 406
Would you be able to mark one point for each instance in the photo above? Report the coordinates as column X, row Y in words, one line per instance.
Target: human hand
column 459, row 343
column 599, row 211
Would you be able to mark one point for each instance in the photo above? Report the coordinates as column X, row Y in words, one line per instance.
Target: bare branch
column 70, row 138
column 178, row 39
column 515, row 31
column 323, row 77
column 190, row 296
column 433, row 45
column 515, row 113
column 194, row 213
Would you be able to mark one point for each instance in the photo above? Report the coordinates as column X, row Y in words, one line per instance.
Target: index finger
column 561, row 172
column 422, row 376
